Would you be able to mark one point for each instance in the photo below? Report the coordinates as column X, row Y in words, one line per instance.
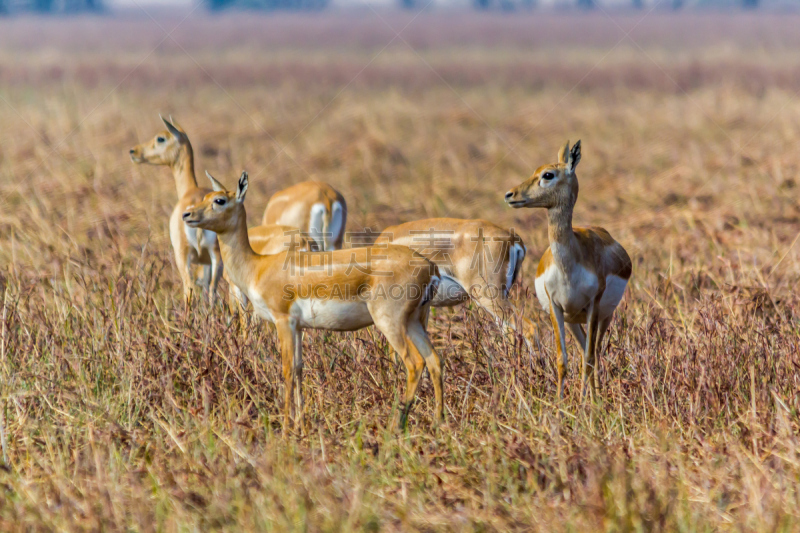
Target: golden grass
column 120, row 411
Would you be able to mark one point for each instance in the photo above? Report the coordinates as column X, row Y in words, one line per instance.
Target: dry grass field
column 120, row 411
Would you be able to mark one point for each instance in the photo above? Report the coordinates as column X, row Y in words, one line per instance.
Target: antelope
column 315, row 207
column 476, row 258
column 346, row 290
column 191, row 246
column 582, row 276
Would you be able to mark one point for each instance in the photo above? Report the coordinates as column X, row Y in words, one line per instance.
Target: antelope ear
column 563, row 153
column 574, row 156
column 242, row 190
column 177, row 126
column 217, row 186
column 171, row 127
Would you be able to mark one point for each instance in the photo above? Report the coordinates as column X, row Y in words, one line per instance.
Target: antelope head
column 551, row 185
column 163, row 149
column 221, row 211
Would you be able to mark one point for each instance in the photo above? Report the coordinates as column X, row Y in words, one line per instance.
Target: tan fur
column 172, row 148
column 293, row 289
column 269, row 239
column 273, row 239
column 575, row 270
column 475, row 253
column 292, row 207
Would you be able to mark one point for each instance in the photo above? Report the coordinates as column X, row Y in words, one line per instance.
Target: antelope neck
column 183, row 171
column 237, row 254
column 563, row 244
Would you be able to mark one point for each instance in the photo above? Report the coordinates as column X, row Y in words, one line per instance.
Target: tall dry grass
column 121, row 411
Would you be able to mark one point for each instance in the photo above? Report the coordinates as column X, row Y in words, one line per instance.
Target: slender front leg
column 298, row 378
column 244, row 316
column 396, row 331
column 415, row 364
column 601, row 334
column 588, row 356
column 419, row 337
column 557, row 320
column 185, row 267
column 183, row 257
column 286, row 337
column 580, row 336
column 237, row 303
column 216, row 273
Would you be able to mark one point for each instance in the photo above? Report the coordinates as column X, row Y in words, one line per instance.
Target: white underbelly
column 449, row 293
column 571, row 292
column 578, row 300
column 337, row 315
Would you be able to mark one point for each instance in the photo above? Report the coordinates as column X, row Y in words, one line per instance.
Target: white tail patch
column 316, row 224
column 516, row 255
column 335, row 226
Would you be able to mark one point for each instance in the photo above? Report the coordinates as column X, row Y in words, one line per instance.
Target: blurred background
column 77, row 6
column 432, row 111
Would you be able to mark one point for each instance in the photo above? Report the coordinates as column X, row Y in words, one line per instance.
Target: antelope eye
column 160, row 139
column 219, row 201
column 548, row 176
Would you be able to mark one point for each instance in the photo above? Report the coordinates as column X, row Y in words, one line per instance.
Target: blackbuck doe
column 476, row 258
column 390, row 287
column 582, row 276
column 191, row 246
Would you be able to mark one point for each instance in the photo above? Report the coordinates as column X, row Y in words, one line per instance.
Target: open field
column 121, row 411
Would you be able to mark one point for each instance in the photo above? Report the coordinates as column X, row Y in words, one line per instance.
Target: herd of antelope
column 294, row 273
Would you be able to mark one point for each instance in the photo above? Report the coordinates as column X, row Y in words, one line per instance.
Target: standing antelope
column 583, row 274
column 345, row 290
column 315, row 207
column 191, row 246
column 476, row 259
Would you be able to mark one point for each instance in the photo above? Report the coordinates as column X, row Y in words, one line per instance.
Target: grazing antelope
column 191, row 246
column 315, row 207
column 476, row 259
column 390, row 287
column 583, row 274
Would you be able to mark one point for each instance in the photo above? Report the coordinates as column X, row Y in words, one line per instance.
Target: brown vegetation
column 120, row 411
